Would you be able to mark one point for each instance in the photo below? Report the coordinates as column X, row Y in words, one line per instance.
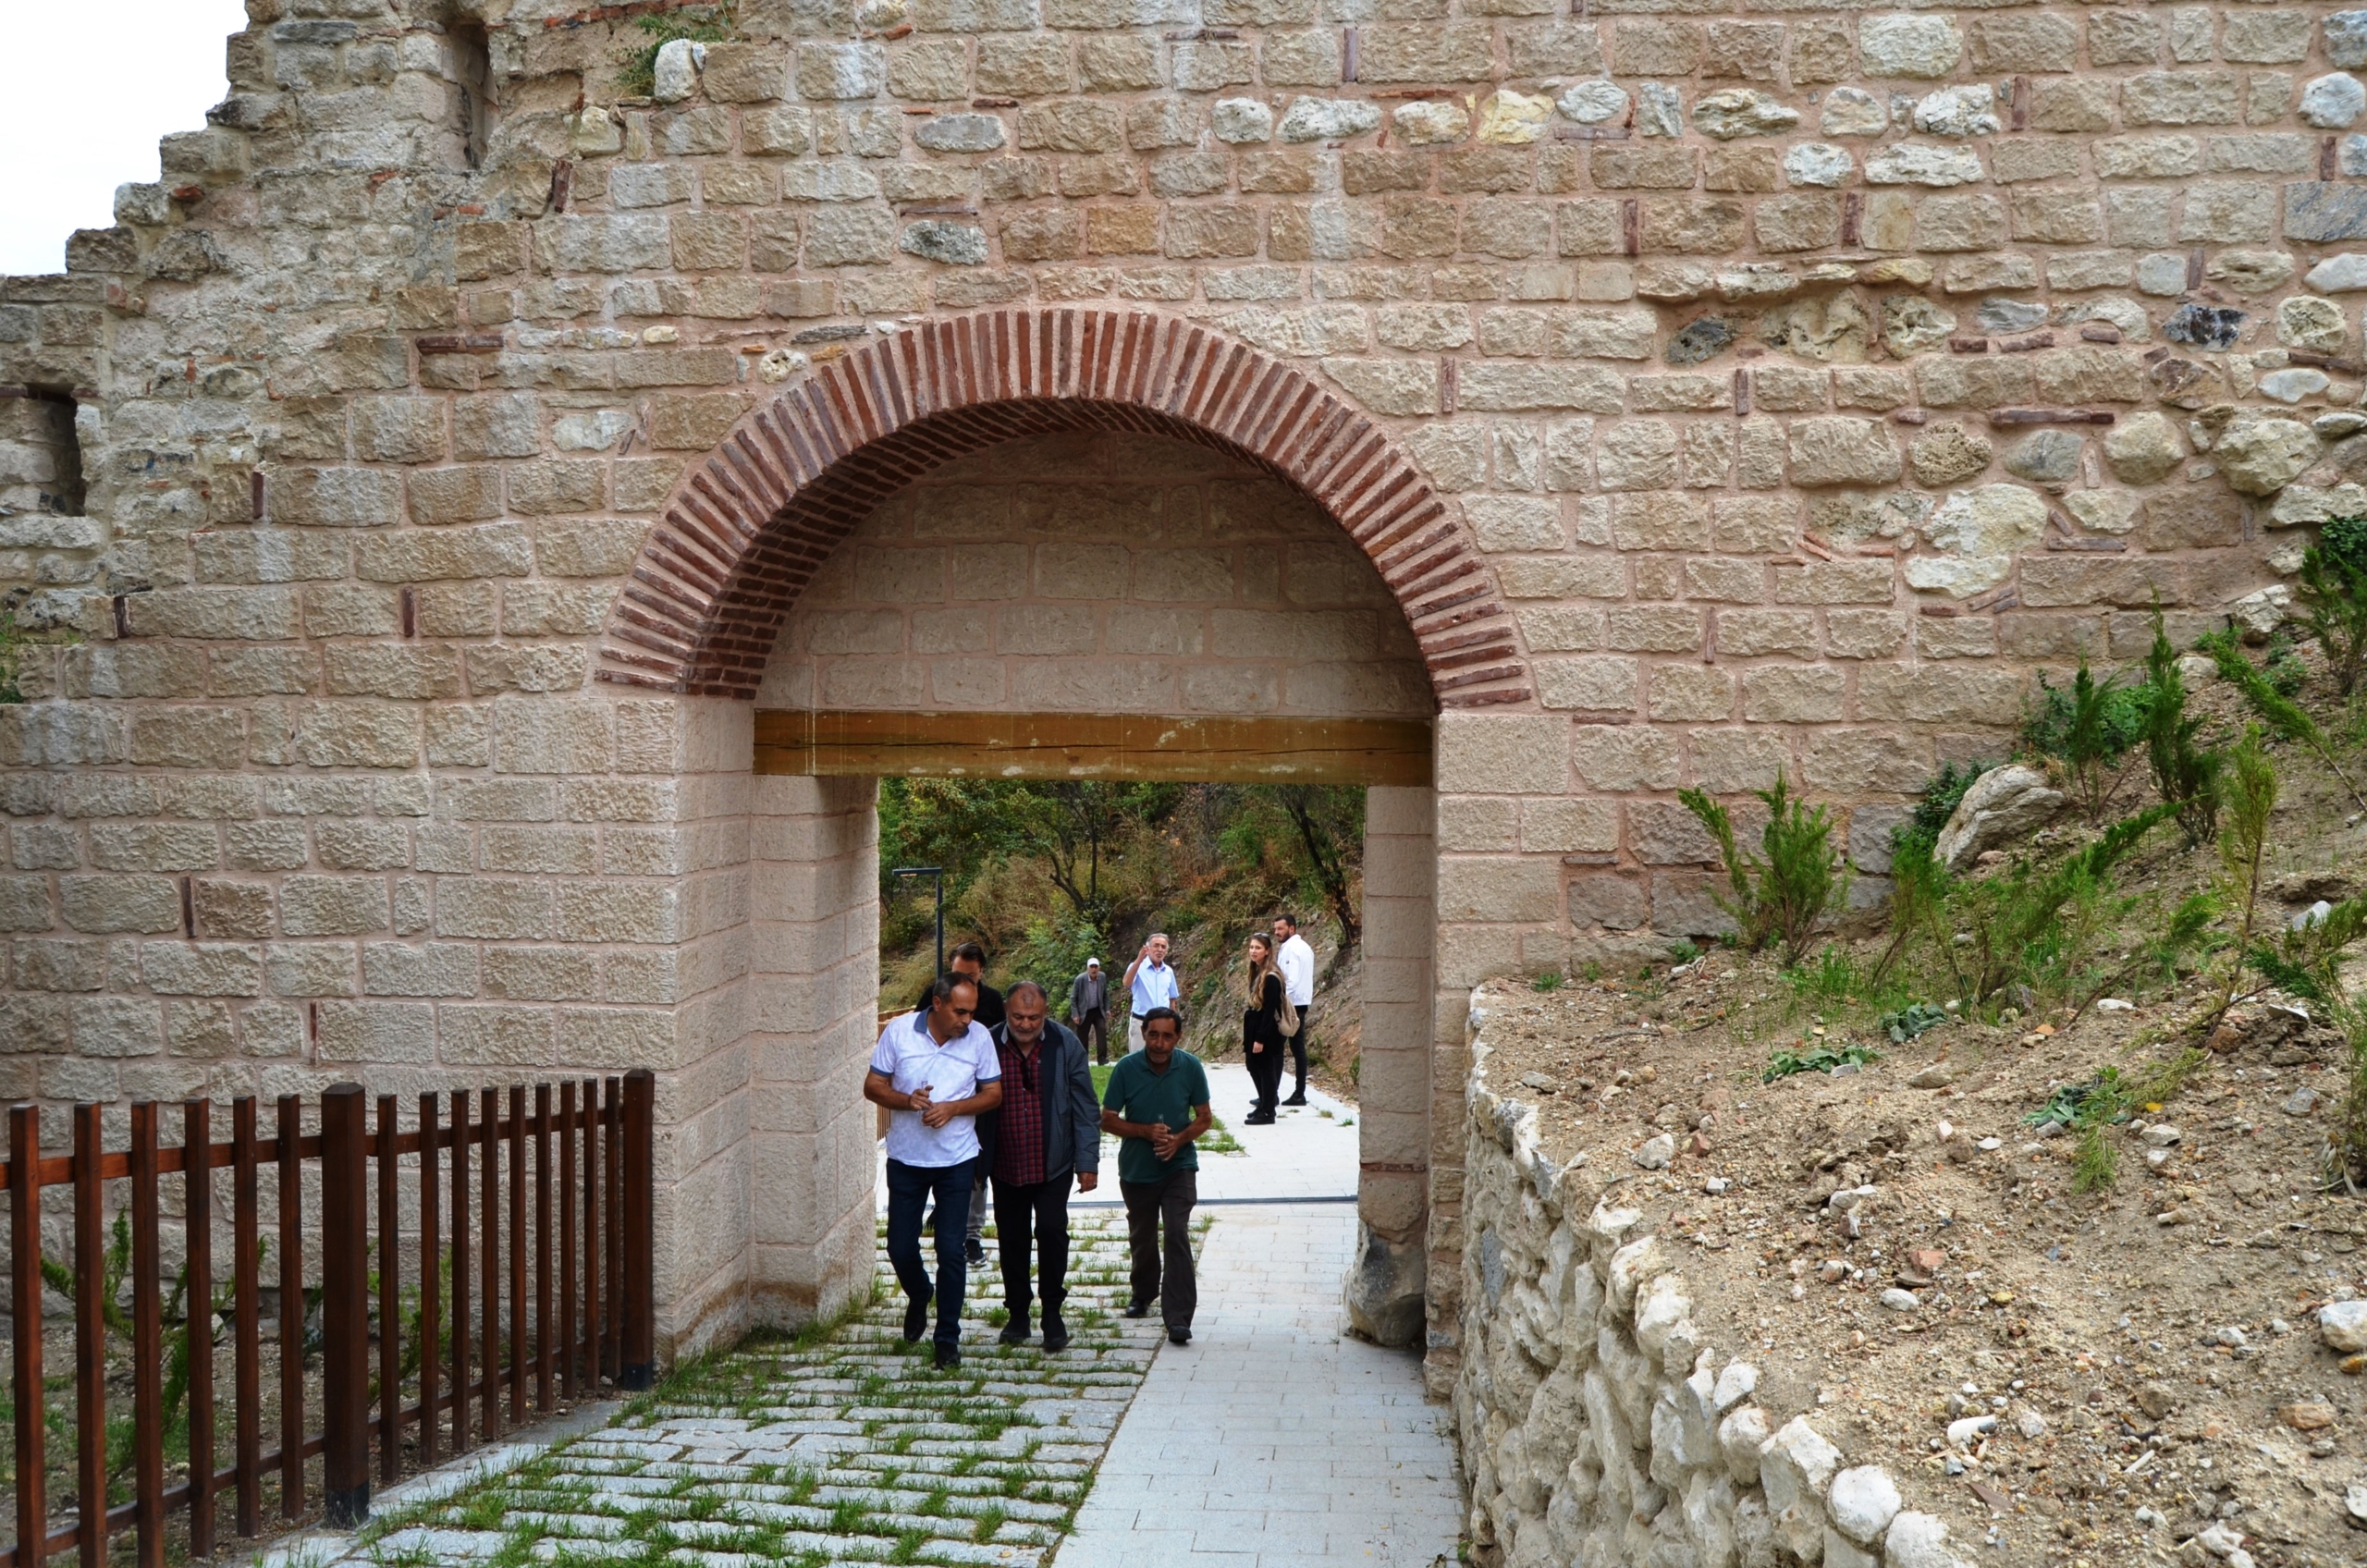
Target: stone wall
column 1713, row 394
column 1598, row 1424
column 1099, row 573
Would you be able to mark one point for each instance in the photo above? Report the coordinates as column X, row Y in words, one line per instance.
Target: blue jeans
column 909, row 1190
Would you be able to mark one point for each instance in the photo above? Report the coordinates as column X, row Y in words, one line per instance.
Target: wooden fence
column 572, row 1324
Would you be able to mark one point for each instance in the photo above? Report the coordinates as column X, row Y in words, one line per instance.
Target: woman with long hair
column 1267, row 1025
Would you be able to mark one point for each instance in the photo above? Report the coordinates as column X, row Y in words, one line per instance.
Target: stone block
column 1613, row 900
column 1502, row 753
column 1500, row 890
column 1625, row 758
column 1689, row 693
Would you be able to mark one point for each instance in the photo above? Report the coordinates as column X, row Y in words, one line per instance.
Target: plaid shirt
column 1019, row 1137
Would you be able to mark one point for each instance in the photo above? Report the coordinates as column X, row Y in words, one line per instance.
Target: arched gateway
column 755, row 526
column 747, row 529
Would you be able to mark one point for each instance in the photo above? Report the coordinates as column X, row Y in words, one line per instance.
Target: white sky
column 95, row 84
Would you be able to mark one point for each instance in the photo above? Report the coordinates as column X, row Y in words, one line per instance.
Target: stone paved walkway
column 1273, row 1440
column 1270, row 1439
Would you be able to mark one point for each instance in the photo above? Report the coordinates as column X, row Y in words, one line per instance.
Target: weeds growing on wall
column 637, row 67
column 1783, row 895
column 12, row 656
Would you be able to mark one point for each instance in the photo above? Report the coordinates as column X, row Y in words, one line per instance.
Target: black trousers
column 1149, row 1207
column 1033, row 1217
column 1266, row 1072
column 1093, row 1032
column 1298, row 1052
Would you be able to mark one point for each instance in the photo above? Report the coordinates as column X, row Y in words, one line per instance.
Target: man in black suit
column 1048, row 1131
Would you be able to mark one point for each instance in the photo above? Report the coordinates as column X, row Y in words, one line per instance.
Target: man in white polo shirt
column 1295, row 961
column 936, row 1071
column 1153, row 984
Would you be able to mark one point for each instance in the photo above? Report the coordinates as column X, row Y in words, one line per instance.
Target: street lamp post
column 936, row 871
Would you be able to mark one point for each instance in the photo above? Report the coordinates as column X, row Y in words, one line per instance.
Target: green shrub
column 12, row 656
column 2249, row 790
column 1683, row 951
column 1939, row 799
column 2186, row 774
column 1910, row 1022
column 2286, row 715
column 1831, row 979
column 1819, row 1058
column 2332, row 595
column 1780, row 898
column 2033, row 924
column 2286, row 674
column 2089, row 729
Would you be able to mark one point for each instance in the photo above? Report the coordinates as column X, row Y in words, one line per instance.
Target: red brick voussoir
column 747, row 528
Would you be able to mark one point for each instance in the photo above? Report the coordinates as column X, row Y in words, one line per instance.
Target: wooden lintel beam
column 1094, row 745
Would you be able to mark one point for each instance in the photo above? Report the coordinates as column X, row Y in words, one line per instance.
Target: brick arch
column 747, row 528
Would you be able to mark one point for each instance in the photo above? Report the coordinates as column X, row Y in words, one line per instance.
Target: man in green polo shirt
column 1156, row 1104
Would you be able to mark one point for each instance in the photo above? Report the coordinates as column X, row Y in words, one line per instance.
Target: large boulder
column 1384, row 1289
column 2003, row 804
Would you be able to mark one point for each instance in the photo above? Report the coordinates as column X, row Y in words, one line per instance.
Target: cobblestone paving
column 844, row 1447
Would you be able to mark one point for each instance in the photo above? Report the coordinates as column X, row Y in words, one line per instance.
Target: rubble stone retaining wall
column 1597, row 1422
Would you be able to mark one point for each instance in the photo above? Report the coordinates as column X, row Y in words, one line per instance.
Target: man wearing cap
column 1089, row 1008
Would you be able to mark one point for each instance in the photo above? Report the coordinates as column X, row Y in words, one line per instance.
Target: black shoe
column 1138, row 1309
column 975, row 1251
column 948, row 1357
column 1179, row 1336
column 1258, row 1119
column 1299, row 1098
column 915, row 1320
column 1056, row 1336
column 1014, row 1332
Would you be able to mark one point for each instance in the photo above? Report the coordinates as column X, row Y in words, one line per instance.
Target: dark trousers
column 1151, row 1205
column 1298, row 1044
column 1036, row 1213
column 909, row 1188
column 1093, row 1032
column 1266, row 1072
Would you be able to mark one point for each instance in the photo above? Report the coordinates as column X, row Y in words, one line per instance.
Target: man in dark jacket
column 1048, row 1131
column 1089, row 1008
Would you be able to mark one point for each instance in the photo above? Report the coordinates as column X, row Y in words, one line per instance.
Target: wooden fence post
column 196, row 1313
column 147, row 1342
column 637, row 1361
column 90, row 1337
column 24, row 1242
column 344, row 1313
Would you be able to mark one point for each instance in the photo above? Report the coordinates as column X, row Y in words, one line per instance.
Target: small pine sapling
column 2332, row 595
column 2089, row 729
column 1785, row 896
column 2248, row 790
column 2186, row 774
column 2284, row 715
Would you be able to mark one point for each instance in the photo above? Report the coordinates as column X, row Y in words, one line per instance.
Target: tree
column 1318, row 833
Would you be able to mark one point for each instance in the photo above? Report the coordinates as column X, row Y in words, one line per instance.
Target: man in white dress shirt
column 936, row 1071
column 1150, row 984
column 1295, row 959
